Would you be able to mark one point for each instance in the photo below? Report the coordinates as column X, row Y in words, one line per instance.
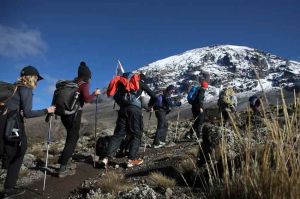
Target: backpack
column 102, row 146
column 7, row 90
column 252, row 100
column 9, row 120
column 226, row 98
column 66, row 97
column 193, row 94
column 124, row 89
column 159, row 101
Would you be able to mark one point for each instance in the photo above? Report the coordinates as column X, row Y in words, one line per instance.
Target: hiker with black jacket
column 198, row 110
column 130, row 119
column 72, row 122
column 162, row 107
column 15, row 147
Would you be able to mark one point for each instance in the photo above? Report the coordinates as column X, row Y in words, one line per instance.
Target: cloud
column 51, row 81
column 20, row 42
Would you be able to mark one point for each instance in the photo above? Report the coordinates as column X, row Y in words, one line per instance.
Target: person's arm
column 85, row 92
column 26, row 104
column 146, row 88
column 144, row 104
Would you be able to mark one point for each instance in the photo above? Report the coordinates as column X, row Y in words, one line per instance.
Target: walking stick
column 95, row 136
column 148, row 126
column 47, row 150
column 175, row 137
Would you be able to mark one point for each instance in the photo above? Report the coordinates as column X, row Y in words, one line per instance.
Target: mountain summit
column 228, row 65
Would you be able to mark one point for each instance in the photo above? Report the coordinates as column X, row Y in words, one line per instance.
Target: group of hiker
column 128, row 91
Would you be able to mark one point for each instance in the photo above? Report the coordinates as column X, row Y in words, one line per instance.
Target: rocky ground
column 171, row 172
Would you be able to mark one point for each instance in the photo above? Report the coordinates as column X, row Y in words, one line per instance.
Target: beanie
column 204, row 84
column 84, row 71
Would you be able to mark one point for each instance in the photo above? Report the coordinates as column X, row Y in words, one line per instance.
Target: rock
column 107, row 132
column 169, row 193
column 140, row 192
column 29, row 161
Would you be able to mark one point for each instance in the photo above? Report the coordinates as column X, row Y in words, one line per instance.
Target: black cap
column 84, row 71
column 30, row 70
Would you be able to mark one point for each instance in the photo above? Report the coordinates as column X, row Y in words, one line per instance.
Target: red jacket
column 85, row 96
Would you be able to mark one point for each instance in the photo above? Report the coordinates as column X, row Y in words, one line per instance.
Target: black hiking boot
column 12, row 193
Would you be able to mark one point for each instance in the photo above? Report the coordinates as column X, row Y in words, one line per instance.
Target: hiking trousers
column 199, row 119
column 14, row 154
column 130, row 120
column 72, row 125
column 162, row 127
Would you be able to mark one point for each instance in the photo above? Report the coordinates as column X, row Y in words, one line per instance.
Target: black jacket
column 200, row 98
column 22, row 100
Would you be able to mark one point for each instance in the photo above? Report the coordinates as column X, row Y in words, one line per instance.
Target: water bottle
column 75, row 99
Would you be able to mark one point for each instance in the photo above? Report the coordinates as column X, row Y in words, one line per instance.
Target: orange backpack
column 131, row 84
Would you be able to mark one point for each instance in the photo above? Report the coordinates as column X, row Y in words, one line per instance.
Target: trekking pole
column 178, row 115
column 148, row 127
column 47, row 149
column 95, row 136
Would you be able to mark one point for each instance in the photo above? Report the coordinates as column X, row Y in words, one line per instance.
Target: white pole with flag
column 119, row 69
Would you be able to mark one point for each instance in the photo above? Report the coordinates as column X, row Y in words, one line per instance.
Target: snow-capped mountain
column 227, row 65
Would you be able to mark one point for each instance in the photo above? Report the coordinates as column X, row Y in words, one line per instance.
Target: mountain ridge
column 228, row 65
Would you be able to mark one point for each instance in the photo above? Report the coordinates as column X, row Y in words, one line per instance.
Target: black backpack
column 9, row 120
column 7, row 90
column 102, row 146
column 66, row 97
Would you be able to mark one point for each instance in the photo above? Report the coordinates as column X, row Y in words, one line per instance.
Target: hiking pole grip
column 49, row 115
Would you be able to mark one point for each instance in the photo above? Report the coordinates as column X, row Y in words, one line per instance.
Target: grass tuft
column 114, row 183
column 161, row 180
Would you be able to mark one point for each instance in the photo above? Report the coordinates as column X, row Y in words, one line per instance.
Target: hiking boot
column 64, row 171
column 72, row 165
column 132, row 163
column 104, row 163
column 12, row 193
column 159, row 145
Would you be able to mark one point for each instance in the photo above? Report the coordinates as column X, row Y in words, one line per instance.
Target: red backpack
column 131, row 83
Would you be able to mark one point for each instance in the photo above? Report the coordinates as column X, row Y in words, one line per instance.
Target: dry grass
column 37, row 151
column 161, row 180
column 268, row 170
column 114, row 183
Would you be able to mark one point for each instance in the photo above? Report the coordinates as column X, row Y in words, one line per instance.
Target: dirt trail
column 57, row 188
column 60, row 188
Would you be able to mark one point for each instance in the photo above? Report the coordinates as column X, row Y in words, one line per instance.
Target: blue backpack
column 159, row 101
column 192, row 95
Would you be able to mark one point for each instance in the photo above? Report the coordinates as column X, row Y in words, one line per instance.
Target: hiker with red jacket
column 198, row 110
column 130, row 120
column 19, row 107
column 162, row 107
column 72, row 122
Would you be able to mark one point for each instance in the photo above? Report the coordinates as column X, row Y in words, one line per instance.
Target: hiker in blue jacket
column 162, row 107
